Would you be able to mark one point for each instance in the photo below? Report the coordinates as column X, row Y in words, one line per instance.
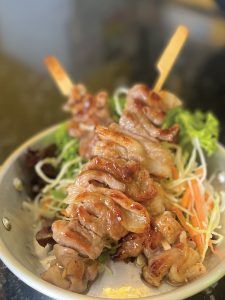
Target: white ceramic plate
column 16, row 245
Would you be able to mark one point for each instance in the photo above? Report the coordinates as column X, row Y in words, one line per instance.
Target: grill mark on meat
column 134, row 119
column 108, row 216
column 71, row 234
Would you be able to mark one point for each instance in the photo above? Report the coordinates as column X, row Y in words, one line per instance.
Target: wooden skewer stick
column 169, row 55
column 59, row 74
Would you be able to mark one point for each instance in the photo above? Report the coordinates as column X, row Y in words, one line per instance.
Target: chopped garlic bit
column 165, row 245
column 18, row 185
column 125, row 292
column 141, row 261
column 183, row 237
column 221, row 177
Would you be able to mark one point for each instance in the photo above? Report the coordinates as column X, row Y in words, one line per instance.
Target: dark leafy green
column 106, row 253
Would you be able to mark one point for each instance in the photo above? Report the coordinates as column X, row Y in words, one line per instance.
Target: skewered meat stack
column 87, row 111
column 117, row 197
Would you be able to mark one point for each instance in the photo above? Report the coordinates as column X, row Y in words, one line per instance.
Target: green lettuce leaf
column 62, row 138
column 204, row 126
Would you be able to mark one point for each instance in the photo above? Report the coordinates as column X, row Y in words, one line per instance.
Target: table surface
column 102, row 45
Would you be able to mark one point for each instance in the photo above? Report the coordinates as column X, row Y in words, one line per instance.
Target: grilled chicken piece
column 168, row 226
column 162, row 101
column 71, row 234
column 121, row 169
column 156, row 206
column 161, row 159
column 180, row 264
column 99, row 214
column 86, row 143
column 135, row 119
column 133, row 244
column 92, row 180
column 109, row 149
column 71, row 271
column 54, row 275
column 155, row 115
column 151, row 154
column 132, row 123
column 89, row 176
column 137, row 183
column 133, row 150
column 159, row 266
column 87, row 111
column 153, row 239
column 188, row 268
column 133, row 216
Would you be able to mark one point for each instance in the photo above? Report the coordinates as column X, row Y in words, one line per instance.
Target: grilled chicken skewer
column 128, row 162
column 87, row 110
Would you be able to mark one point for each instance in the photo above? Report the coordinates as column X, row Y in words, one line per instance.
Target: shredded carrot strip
column 199, row 219
column 211, row 206
column 199, row 171
column 175, row 173
column 196, row 203
column 199, row 201
column 198, row 238
column 182, row 220
column 193, row 234
column 186, row 198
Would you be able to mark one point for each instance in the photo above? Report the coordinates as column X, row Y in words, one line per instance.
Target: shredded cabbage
column 117, row 103
column 50, row 201
column 214, row 203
